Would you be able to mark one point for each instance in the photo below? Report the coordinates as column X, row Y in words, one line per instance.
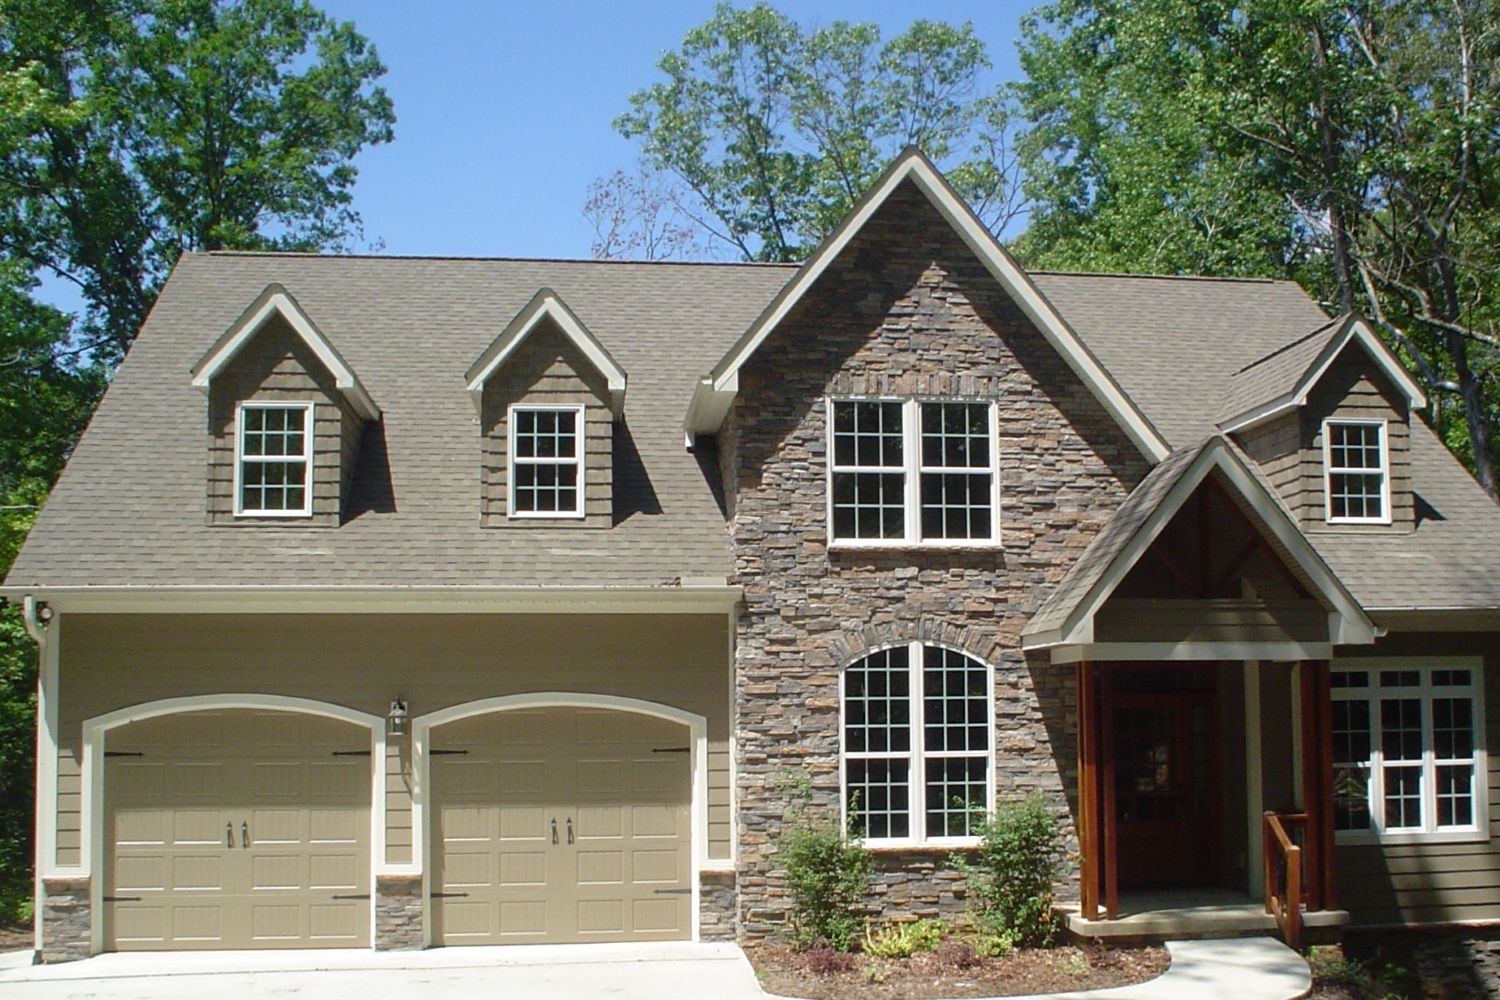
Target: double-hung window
column 273, row 460
column 1408, row 748
column 546, row 461
column 916, row 744
column 913, row 472
column 1358, row 476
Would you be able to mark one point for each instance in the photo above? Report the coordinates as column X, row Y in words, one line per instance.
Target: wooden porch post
column 1317, row 782
column 1111, row 845
column 1088, row 790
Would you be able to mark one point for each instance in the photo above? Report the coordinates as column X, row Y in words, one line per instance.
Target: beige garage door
column 561, row 825
column 237, row 829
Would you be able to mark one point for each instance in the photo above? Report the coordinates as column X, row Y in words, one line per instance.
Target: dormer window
column 546, row 461
column 1357, row 471
column 273, row 460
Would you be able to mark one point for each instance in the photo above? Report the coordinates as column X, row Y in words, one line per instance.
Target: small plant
column 828, row 962
column 1077, row 965
column 902, row 940
column 875, row 973
column 960, row 955
column 988, row 944
column 1365, row 980
column 1020, row 858
column 828, row 873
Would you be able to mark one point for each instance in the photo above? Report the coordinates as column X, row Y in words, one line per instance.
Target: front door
column 1163, row 802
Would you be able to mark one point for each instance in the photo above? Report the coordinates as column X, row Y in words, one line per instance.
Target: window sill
column 921, row 846
column 1409, row 838
column 272, row 515
column 845, row 545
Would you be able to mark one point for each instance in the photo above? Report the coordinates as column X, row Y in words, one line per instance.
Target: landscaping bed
column 15, row 937
column 952, row 970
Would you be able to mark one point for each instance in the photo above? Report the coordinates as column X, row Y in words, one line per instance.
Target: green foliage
column 1010, row 877
column 901, row 939
column 774, row 130
column 990, row 943
column 828, row 873
column 1360, row 980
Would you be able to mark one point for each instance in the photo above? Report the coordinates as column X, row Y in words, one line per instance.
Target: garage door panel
column 527, row 869
column 180, row 864
column 657, row 916
column 523, row 919
column 524, row 824
column 605, row 822
column 647, row 867
column 600, row 868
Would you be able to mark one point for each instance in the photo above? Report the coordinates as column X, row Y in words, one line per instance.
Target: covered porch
column 1198, row 627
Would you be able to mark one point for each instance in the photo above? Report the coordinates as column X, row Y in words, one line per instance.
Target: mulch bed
column 937, row 974
column 15, row 938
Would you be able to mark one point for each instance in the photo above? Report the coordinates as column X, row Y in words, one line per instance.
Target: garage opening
column 237, row 829
column 559, row 825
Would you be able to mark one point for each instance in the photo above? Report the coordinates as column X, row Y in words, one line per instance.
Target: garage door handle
column 244, row 835
column 554, row 829
column 570, row 829
column 228, row 834
column 673, row 892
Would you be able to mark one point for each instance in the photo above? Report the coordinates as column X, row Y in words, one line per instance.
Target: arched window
column 917, row 743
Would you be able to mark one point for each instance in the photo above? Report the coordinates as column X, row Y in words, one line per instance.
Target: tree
column 773, row 131
column 1357, row 145
column 637, row 216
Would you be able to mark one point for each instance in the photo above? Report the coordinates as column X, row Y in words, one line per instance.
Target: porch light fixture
column 395, row 722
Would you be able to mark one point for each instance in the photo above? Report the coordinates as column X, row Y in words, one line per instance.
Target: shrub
column 989, row 944
column 828, row 874
column 1011, row 876
column 902, row 940
column 959, row 955
column 828, row 962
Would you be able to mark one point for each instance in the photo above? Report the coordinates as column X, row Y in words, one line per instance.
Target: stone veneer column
column 716, row 906
column 398, row 912
column 67, row 920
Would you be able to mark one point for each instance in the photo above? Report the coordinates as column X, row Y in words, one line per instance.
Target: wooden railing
column 1284, row 895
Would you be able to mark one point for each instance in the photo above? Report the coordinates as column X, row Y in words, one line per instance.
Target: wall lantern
column 395, row 722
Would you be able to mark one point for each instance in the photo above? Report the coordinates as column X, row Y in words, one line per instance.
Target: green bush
column 902, row 940
column 1011, row 876
column 828, row 873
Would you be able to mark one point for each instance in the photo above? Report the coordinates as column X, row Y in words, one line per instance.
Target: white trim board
column 547, row 305
column 716, row 391
column 421, row 740
column 277, row 301
column 95, row 733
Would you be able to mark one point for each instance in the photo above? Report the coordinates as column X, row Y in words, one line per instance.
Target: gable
column 914, row 172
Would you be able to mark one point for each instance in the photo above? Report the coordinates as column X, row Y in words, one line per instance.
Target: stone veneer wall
column 398, row 912
column 716, row 906
column 67, row 919
column 906, row 310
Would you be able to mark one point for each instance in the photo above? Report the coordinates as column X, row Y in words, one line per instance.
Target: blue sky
column 504, row 108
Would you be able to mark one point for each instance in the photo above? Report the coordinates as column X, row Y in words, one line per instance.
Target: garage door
column 237, row 829
column 561, row 825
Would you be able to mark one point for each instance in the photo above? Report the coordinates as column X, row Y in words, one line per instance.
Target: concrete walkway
column 1237, row 969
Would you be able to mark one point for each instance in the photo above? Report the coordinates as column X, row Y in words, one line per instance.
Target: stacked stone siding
column 716, row 907
column 398, row 912
column 905, row 311
column 67, row 919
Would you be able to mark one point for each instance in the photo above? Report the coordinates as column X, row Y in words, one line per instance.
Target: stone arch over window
column 916, row 742
column 976, row 643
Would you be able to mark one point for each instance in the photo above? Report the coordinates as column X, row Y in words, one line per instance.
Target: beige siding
column 1424, row 883
column 547, row 369
column 276, row 366
column 1148, row 620
column 363, row 661
column 1277, row 446
column 398, row 811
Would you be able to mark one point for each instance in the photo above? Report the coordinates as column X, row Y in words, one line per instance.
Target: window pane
column 1349, row 679
column 1351, row 771
column 955, row 506
column 956, row 435
column 869, row 505
column 1403, row 797
column 1452, row 728
column 955, row 704
column 1455, row 795
column 867, row 434
column 1401, row 728
column 877, row 703
column 1451, row 678
column 955, row 795
column 879, row 797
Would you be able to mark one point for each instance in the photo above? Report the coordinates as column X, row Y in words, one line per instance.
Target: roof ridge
column 1337, row 320
column 304, row 255
column 1165, row 277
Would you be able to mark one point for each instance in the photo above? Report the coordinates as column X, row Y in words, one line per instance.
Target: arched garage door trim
column 423, row 725
column 95, row 732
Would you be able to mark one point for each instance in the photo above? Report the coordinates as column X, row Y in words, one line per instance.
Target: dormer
column 1328, row 417
column 548, row 394
column 285, row 417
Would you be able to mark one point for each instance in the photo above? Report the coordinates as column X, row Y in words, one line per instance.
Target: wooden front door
column 1163, row 774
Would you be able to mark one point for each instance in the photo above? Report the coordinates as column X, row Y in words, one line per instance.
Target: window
column 916, row 744
column 1354, row 456
column 1408, row 748
column 546, row 461
column 912, row 472
column 273, row 460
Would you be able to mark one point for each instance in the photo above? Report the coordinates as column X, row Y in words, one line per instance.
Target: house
column 394, row 602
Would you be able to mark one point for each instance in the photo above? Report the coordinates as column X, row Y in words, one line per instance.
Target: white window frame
column 240, row 458
column 579, row 437
column 912, row 469
column 916, row 775
column 1329, row 471
column 1428, row 832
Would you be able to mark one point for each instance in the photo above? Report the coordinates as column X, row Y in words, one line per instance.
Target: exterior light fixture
column 395, row 722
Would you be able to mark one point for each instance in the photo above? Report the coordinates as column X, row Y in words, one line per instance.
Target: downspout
column 35, row 615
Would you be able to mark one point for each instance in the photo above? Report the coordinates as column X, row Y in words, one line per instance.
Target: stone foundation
column 67, row 920
column 716, row 906
column 1445, row 964
column 910, row 885
column 398, row 912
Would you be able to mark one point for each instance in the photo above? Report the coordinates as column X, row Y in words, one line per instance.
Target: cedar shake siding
column 906, row 310
column 277, row 366
column 547, row 369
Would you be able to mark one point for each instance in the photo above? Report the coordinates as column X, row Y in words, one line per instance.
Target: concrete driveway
column 619, row 972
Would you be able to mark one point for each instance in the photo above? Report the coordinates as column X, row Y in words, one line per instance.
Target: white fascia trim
column 421, row 735
column 279, row 303
column 1355, row 329
column 914, row 166
column 47, row 637
column 1278, row 651
column 687, row 598
column 547, row 304
column 1349, row 623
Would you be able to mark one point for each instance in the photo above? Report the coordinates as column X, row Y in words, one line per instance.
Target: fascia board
column 548, row 305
